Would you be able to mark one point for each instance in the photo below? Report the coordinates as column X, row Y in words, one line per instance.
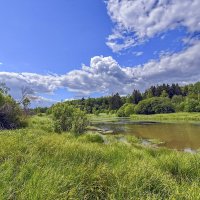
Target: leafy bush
column 155, row 105
column 178, row 102
column 192, row 105
column 68, row 118
column 11, row 115
column 126, row 110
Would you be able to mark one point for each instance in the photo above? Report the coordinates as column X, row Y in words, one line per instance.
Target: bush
column 192, row 105
column 154, row 105
column 68, row 118
column 178, row 102
column 126, row 110
column 11, row 115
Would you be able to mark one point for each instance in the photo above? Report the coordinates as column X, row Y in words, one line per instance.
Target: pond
column 181, row 136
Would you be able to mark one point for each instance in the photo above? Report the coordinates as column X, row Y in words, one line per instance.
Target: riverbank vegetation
column 69, row 118
column 37, row 163
column 173, row 117
column 154, row 100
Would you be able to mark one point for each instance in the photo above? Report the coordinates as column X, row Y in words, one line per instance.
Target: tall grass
column 36, row 163
column 182, row 116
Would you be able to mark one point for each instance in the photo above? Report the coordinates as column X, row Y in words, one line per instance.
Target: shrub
column 95, row 111
column 129, row 110
column 68, row 118
column 178, row 102
column 120, row 112
column 192, row 105
column 154, row 105
column 79, row 121
column 11, row 115
column 112, row 112
column 126, row 110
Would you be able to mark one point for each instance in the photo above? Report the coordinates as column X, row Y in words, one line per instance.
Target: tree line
column 179, row 98
column 163, row 98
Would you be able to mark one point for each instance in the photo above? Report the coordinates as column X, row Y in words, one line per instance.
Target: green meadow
column 179, row 116
column 36, row 163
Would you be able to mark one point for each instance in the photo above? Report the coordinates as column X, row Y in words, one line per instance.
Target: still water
column 179, row 136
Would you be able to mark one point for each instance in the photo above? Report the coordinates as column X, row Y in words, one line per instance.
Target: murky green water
column 174, row 135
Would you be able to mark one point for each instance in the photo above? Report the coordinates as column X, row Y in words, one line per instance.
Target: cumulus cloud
column 104, row 75
column 146, row 18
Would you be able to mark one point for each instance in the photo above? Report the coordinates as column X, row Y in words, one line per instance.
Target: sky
column 68, row 49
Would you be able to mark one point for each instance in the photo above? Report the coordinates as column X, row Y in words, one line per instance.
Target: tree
column 197, row 89
column 115, row 102
column 154, row 105
column 164, row 94
column 11, row 115
column 192, row 105
column 25, row 100
column 136, row 97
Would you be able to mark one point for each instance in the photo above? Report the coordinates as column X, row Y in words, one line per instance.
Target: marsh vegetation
column 36, row 163
column 54, row 154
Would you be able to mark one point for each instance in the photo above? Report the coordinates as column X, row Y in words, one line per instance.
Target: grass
column 183, row 116
column 36, row 163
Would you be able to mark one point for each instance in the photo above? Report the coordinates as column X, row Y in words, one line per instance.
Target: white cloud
column 104, row 75
column 146, row 18
column 41, row 101
column 1, row 63
column 137, row 53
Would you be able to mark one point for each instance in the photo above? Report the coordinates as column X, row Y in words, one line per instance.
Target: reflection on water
column 174, row 135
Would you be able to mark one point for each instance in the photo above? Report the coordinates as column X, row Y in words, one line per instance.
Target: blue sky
column 122, row 44
column 49, row 35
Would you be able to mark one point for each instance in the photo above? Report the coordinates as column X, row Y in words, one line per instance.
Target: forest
column 157, row 99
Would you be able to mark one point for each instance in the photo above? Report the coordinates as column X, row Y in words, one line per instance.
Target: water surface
column 181, row 136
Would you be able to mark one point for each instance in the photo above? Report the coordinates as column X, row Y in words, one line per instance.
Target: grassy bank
column 36, row 163
column 184, row 116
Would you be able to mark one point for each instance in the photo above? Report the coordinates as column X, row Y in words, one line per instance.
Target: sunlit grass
column 36, row 163
column 184, row 116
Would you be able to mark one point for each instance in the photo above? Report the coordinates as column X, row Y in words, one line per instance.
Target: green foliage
column 45, row 165
column 178, row 102
column 154, row 105
column 92, row 137
column 180, row 116
column 135, row 97
column 115, row 102
column 80, row 121
column 95, row 111
column 40, row 110
column 120, row 112
column 176, row 93
column 164, row 94
column 163, row 91
column 68, row 118
column 11, row 115
column 126, row 110
column 192, row 105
